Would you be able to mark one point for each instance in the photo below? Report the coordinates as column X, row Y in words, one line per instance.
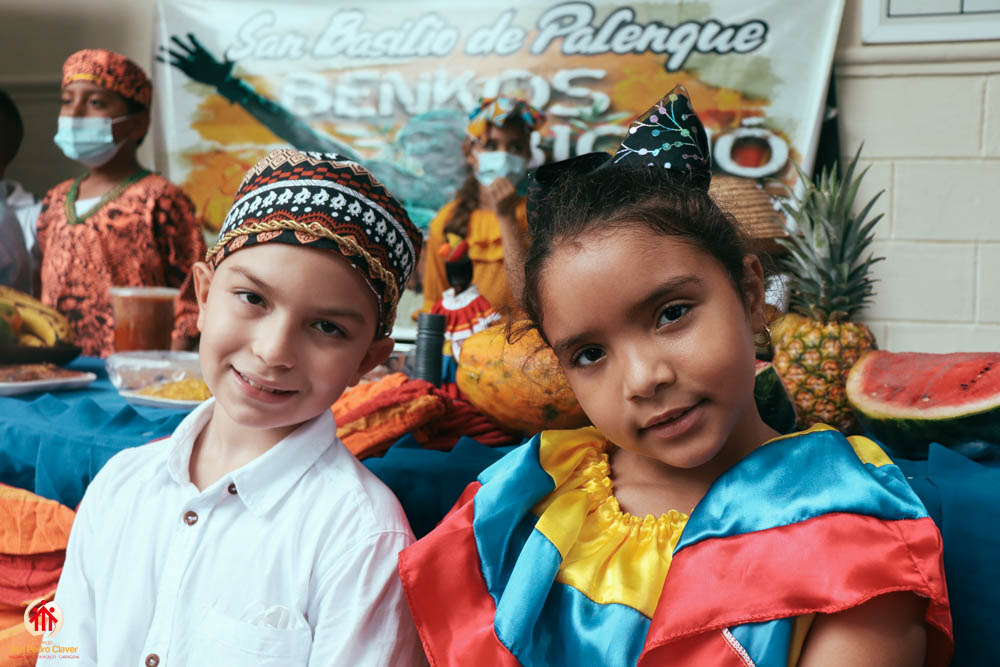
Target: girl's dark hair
column 467, row 196
column 618, row 197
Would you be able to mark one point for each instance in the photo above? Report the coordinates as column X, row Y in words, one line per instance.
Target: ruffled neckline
column 609, row 555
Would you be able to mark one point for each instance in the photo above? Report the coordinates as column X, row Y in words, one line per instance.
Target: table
column 54, row 444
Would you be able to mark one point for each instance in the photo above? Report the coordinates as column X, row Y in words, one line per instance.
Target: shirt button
column 152, row 660
column 190, row 518
column 232, row 488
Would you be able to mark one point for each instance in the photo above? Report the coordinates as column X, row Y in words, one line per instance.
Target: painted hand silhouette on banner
column 431, row 141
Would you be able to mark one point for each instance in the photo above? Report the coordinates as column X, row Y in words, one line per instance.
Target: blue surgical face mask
column 89, row 139
column 498, row 164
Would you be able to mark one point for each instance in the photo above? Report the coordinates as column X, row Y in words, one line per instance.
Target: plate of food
column 27, row 378
column 177, row 395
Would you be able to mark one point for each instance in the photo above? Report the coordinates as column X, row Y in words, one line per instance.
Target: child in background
column 16, row 269
column 252, row 536
column 118, row 224
column 465, row 310
column 680, row 529
column 487, row 212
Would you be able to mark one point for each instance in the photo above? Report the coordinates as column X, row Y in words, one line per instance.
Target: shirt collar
column 261, row 483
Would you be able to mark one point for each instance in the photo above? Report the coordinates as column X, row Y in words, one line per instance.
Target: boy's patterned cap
column 496, row 110
column 323, row 200
column 109, row 70
column 668, row 136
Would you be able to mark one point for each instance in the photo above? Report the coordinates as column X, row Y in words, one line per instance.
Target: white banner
column 391, row 82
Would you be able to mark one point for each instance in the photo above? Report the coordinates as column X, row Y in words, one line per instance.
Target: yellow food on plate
column 190, row 389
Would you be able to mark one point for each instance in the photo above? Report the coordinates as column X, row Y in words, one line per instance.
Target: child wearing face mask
column 488, row 213
column 117, row 224
column 679, row 529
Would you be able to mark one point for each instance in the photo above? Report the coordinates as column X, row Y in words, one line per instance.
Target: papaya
column 521, row 386
column 517, row 384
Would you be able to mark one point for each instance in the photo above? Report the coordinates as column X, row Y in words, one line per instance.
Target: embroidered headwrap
column 323, row 200
column 110, row 70
column 668, row 136
column 496, row 110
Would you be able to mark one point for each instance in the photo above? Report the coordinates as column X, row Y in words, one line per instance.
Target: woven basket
column 752, row 207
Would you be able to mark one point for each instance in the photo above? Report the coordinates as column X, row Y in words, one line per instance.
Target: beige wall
column 929, row 116
column 36, row 36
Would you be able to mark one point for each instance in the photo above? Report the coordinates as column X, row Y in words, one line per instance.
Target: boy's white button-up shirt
column 289, row 560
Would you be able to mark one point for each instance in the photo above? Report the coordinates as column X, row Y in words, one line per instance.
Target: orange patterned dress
column 147, row 235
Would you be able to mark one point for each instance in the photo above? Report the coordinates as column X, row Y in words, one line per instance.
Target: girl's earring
column 762, row 339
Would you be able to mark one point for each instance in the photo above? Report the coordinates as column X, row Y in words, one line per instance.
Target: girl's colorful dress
column 537, row 565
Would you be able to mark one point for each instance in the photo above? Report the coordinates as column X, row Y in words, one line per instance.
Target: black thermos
column 430, row 344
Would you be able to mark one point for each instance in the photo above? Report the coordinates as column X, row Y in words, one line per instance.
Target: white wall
column 929, row 116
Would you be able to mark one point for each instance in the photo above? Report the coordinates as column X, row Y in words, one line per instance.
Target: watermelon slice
column 773, row 404
column 908, row 400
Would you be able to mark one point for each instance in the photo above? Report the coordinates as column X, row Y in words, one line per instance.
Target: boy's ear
column 753, row 291
column 202, row 274
column 377, row 352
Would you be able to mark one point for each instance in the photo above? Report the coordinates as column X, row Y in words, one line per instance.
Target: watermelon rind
column 773, row 403
column 909, row 430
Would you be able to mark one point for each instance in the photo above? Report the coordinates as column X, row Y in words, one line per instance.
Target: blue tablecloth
column 54, row 444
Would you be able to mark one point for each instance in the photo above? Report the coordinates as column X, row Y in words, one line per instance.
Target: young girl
column 487, row 211
column 116, row 224
column 679, row 529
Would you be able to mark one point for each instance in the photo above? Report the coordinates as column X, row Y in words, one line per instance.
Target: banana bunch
column 27, row 321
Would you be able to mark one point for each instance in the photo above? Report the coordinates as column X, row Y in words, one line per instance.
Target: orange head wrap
column 110, row 70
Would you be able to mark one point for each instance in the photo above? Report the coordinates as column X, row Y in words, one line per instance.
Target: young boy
column 251, row 536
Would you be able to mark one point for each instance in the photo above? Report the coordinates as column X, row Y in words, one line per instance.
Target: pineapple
column 829, row 284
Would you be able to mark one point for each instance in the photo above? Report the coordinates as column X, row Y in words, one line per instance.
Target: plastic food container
column 129, row 371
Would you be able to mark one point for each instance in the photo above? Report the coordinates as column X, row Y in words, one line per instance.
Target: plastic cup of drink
column 144, row 317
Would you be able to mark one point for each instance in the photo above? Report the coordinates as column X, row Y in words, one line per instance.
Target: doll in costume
column 465, row 310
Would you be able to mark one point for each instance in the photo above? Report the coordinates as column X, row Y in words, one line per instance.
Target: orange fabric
column 148, row 235
column 356, row 396
column 373, row 434
column 33, row 536
column 460, row 419
column 30, row 524
column 372, row 416
column 16, row 644
column 485, row 251
column 110, row 70
column 27, row 578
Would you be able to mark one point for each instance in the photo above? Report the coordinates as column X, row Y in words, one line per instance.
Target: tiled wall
column 929, row 117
